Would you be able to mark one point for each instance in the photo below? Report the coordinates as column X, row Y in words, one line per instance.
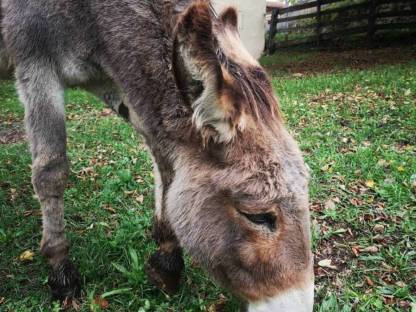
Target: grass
column 357, row 130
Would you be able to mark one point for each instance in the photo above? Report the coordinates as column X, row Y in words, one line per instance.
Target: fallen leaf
column 401, row 169
column 370, row 183
column 327, row 263
column 26, row 256
column 379, row 238
column 325, row 168
column 356, row 202
column 370, row 249
column 218, row 306
column 101, row 302
column 401, row 284
column 405, row 305
column 378, row 228
column 106, row 112
column 109, row 208
column 388, row 300
column 383, row 163
column 2, row 300
column 87, row 171
column 330, row 204
column 356, row 251
column 388, row 267
column 369, row 281
column 139, row 199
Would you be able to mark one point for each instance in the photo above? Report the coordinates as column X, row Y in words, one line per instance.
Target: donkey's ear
column 195, row 42
column 229, row 18
column 199, row 74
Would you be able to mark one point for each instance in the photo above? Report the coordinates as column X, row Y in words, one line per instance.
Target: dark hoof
column 65, row 282
column 165, row 270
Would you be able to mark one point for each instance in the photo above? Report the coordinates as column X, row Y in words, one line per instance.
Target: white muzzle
column 293, row 300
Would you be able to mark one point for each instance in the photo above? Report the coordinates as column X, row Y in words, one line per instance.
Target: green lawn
column 357, row 129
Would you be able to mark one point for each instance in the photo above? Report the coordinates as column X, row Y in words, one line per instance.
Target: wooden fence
column 331, row 19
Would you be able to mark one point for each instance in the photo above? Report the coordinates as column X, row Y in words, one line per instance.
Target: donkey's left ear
column 229, row 18
column 195, row 63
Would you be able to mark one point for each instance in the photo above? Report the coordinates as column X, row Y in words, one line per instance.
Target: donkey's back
column 56, row 35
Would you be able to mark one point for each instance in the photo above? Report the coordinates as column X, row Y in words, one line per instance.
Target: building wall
column 252, row 22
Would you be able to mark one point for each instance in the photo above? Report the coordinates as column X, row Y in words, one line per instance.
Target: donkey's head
column 238, row 202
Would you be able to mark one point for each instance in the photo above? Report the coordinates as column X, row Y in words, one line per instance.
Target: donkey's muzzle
column 293, row 300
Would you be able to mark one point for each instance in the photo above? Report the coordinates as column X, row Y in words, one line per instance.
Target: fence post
column 271, row 46
column 319, row 22
column 371, row 20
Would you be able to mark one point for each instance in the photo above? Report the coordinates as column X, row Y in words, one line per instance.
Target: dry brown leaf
column 378, row 228
column 379, row 238
column 218, row 306
column 383, row 163
column 370, row 249
column 330, row 204
column 106, row 112
column 401, row 284
column 356, row 251
column 388, row 300
column 356, row 202
column 101, row 302
column 109, row 208
column 327, row 263
column 369, row 281
column 139, row 199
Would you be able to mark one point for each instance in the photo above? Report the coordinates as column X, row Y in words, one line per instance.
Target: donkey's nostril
column 267, row 220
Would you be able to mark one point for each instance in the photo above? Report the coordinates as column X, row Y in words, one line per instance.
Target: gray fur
column 122, row 51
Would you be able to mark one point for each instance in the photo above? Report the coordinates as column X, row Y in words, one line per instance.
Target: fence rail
column 369, row 14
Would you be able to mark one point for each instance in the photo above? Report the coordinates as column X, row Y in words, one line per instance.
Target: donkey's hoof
column 165, row 270
column 65, row 282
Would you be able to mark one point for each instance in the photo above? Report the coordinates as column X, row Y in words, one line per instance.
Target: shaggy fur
column 232, row 185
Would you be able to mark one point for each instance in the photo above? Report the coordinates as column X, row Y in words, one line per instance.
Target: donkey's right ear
column 195, row 44
column 197, row 68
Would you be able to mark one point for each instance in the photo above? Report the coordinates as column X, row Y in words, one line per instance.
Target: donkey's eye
column 264, row 219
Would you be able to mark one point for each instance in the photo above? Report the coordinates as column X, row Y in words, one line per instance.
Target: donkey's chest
column 78, row 72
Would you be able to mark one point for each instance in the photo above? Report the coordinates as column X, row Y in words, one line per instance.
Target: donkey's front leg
column 42, row 94
column 166, row 265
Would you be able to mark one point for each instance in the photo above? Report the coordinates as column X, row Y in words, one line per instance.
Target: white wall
column 251, row 16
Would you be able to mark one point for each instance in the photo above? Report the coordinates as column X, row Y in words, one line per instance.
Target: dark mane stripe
column 254, row 86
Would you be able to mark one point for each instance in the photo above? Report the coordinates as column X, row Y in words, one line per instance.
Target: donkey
column 231, row 185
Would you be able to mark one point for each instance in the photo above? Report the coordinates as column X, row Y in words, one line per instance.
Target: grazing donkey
column 231, row 185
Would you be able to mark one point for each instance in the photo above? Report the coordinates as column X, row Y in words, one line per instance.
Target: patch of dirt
column 332, row 61
column 13, row 134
